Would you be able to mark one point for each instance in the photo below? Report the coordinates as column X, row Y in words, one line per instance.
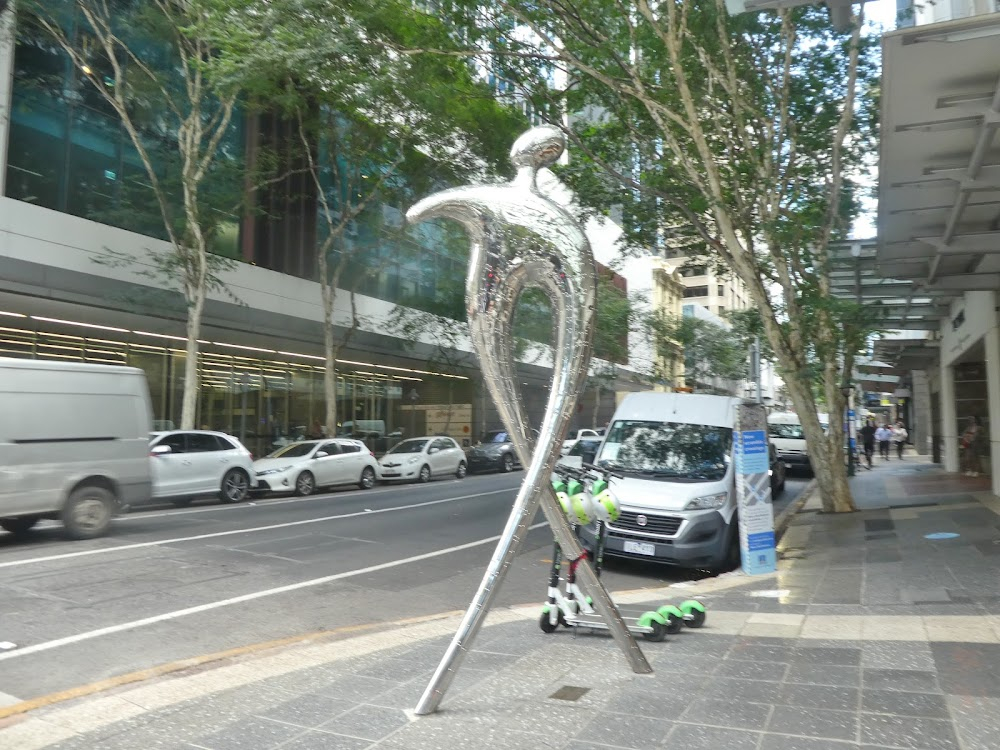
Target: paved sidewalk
column 870, row 635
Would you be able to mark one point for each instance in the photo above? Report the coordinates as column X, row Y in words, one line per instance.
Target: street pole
column 758, row 376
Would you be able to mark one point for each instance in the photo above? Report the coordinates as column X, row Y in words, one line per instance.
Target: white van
column 678, row 494
column 785, row 431
column 74, row 444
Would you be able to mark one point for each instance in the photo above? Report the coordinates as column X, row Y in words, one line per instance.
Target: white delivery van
column 785, row 431
column 678, row 493
column 74, row 444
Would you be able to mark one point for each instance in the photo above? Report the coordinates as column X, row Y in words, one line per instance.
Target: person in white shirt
column 899, row 437
column 882, row 436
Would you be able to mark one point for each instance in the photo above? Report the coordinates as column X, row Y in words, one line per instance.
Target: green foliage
column 711, row 352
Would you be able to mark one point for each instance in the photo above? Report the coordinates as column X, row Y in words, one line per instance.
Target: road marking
column 79, row 637
column 252, row 530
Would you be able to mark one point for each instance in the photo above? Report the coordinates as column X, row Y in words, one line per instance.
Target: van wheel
column 87, row 512
column 18, row 525
column 235, row 486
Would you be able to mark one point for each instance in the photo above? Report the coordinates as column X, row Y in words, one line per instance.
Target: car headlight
column 265, row 472
column 414, row 460
column 708, row 502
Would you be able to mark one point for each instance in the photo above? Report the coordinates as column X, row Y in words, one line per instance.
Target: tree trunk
column 826, row 453
column 330, row 375
column 597, row 403
column 189, row 400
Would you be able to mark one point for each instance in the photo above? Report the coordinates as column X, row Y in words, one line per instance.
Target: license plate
column 640, row 548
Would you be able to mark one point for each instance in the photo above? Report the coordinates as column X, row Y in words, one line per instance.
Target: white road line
column 49, row 645
column 252, row 530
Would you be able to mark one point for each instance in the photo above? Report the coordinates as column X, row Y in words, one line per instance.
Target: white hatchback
column 419, row 459
column 303, row 467
column 186, row 464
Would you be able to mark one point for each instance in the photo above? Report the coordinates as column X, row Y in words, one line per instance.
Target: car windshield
column 787, row 431
column 668, row 450
column 409, row 446
column 295, row 450
column 496, row 436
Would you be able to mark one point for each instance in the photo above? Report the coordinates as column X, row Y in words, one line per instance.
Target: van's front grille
column 662, row 525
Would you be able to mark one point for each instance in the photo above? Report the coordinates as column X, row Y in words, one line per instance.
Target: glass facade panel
column 268, row 403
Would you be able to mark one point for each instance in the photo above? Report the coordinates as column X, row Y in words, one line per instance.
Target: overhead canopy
column 939, row 169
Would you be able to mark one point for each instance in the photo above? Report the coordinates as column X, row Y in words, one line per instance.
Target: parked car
column 419, row 459
column 74, row 443
column 777, row 472
column 575, row 435
column 495, row 452
column 304, row 467
column 190, row 463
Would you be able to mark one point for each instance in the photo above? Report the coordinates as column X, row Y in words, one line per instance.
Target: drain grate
column 570, row 693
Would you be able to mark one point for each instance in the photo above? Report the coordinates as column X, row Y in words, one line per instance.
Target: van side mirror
column 161, row 450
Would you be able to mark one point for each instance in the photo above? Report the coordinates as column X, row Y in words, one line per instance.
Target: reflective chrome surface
column 520, row 239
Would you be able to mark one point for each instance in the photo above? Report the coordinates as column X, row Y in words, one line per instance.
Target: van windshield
column 786, row 431
column 670, row 451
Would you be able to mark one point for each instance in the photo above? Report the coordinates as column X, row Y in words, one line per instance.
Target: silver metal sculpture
column 520, row 239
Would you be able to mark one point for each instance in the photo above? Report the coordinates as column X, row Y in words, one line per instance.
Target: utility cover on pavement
column 569, row 693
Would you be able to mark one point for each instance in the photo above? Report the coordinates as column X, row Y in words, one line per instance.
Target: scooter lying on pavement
column 585, row 496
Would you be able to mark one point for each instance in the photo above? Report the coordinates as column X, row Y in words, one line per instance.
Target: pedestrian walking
column 970, row 454
column 882, row 436
column 867, row 434
column 899, row 437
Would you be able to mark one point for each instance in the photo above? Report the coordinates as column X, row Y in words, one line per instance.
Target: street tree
column 370, row 129
column 739, row 137
column 714, row 356
column 146, row 60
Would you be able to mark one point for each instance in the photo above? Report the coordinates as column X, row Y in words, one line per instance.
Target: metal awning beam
column 979, row 243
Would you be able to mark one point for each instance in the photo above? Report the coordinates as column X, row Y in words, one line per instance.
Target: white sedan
column 189, row 463
column 419, row 459
column 303, row 467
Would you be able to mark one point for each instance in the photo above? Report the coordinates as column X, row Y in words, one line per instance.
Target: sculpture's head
column 538, row 148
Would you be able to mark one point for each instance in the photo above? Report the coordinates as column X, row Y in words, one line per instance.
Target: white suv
column 189, row 463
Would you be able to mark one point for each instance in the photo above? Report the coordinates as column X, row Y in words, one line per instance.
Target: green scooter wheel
column 546, row 624
column 694, row 613
column 674, row 618
column 659, row 632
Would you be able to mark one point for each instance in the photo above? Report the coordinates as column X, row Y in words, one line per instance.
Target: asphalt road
column 171, row 584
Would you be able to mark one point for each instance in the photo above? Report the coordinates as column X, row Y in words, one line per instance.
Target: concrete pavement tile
column 632, row 732
column 968, row 668
column 726, row 623
column 977, row 721
column 695, row 737
column 982, row 634
column 902, row 628
column 357, row 688
column 426, row 735
column 754, row 691
column 908, row 732
column 829, row 697
column 308, row 710
column 779, row 631
column 927, row 705
column 784, row 742
column 775, row 618
column 833, row 627
column 760, row 652
column 892, row 655
column 638, row 701
column 394, row 669
column 824, row 674
column 259, row 734
column 752, row 670
column 814, row 722
column 836, row 657
column 313, row 740
column 910, row 680
column 305, row 680
column 727, row 713
column 367, row 722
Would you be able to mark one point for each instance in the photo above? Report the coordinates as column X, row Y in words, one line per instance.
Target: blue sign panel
column 751, row 452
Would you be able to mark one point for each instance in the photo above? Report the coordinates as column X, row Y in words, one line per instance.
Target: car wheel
column 235, row 486
column 462, row 470
column 88, row 511
column 305, row 484
column 367, row 478
column 18, row 525
column 507, row 463
column 425, row 474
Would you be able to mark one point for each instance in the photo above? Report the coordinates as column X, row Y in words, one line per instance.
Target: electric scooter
column 584, row 498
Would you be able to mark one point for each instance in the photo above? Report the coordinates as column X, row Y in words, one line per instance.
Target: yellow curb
column 180, row 665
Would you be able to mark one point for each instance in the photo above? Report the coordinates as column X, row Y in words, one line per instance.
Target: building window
column 696, row 291
column 722, row 290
